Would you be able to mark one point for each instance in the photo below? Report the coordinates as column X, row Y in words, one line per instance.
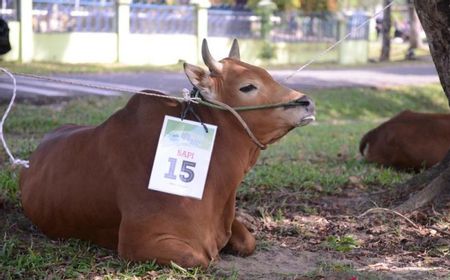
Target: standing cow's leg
column 242, row 242
column 138, row 243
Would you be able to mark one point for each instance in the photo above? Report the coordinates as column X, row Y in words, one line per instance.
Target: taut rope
column 150, row 92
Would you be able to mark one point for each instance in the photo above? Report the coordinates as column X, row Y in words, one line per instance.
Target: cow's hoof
column 242, row 242
column 242, row 249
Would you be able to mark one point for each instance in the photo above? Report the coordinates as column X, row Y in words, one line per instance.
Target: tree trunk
column 414, row 27
column 428, row 194
column 386, row 32
column 435, row 18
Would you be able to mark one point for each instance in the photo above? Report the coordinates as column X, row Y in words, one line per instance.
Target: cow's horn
column 234, row 52
column 213, row 65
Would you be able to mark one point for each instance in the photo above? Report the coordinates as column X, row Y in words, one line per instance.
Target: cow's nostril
column 303, row 101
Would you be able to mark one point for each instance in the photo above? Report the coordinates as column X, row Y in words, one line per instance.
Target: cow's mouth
column 307, row 120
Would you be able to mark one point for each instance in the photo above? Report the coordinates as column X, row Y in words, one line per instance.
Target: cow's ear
column 200, row 79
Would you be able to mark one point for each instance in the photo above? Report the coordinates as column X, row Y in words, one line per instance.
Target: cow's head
column 236, row 83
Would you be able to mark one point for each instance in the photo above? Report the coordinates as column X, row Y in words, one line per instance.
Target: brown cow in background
column 90, row 182
column 408, row 141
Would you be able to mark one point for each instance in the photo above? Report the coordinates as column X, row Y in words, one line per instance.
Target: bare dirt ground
column 382, row 245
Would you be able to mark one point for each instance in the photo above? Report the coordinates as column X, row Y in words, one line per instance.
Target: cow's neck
column 237, row 152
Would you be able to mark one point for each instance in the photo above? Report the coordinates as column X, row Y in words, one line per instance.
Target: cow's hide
column 90, row 182
column 408, row 141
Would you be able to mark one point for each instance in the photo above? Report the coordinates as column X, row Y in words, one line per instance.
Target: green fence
column 72, row 31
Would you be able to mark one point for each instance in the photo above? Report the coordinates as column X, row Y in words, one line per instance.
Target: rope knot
column 188, row 97
column 24, row 163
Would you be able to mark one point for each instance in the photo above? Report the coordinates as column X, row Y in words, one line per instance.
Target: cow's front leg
column 242, row 242
column 137, row 244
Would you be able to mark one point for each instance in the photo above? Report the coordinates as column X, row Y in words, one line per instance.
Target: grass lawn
column 317, row 163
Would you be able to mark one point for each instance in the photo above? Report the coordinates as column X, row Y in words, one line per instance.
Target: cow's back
column 409, row 140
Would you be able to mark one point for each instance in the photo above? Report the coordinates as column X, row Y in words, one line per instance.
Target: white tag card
column 182, row 157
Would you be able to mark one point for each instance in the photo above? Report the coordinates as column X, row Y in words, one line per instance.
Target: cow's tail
column 364, row 144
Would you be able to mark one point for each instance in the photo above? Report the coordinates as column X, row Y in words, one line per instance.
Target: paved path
column 374, row 76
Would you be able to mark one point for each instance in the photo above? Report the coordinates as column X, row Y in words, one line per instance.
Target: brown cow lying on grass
column 90, row 182
column 408, row 141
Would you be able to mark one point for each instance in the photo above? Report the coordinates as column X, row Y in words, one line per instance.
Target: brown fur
column 90, row 182
column 409, row 140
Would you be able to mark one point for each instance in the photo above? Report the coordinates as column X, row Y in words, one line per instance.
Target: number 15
column 185, row 168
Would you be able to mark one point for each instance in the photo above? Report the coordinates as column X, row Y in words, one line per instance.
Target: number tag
column 182, row 158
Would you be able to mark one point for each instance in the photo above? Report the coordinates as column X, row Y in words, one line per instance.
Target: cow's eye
column 247, row 88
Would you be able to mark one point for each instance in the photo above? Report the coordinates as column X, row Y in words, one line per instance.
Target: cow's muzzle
column 308, row 105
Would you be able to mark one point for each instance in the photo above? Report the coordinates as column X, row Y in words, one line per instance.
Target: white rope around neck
column 14, row 161
column 187, row 96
